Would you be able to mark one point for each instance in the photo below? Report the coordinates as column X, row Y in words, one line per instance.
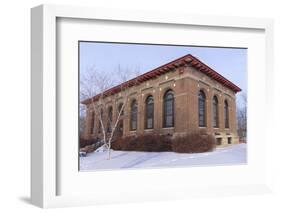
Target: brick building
column 182, row 96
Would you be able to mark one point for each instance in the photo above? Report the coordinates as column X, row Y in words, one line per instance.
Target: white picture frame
column 44, row 147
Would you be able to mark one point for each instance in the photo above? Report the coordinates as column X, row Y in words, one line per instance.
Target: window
column 120, row 128
column 215, row 112
column 226, row 115
column 168, row 109
column 134, row 115
column 100, row 124
column 119, row 109
column 202, row 109
column 149, row 107
column 92, row 122
column 218, row 140
column 120, row 122
column 109, row 122
column 229, row 140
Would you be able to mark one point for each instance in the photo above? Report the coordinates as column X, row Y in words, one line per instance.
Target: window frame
column 226, row 114
column 93, row 119
column 100, row 126
column 215, row 116
column 109, row 118
column 134, row 102
column 165, row 100
column 201, row 92
column 121, row 120
column 147, row 113
column 120, row 105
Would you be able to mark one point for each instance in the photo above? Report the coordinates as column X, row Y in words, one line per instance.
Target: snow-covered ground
column 235, row 154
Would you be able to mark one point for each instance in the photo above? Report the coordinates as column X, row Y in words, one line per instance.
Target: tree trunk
column 109, row 151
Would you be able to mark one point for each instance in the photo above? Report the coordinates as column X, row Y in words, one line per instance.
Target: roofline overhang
column 184, row 60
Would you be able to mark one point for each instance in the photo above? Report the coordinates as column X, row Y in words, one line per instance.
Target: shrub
column 147, row 143
column 154, row 143
column 87, row 149
column 194, row 143
column 191, row 143
column 86, row 142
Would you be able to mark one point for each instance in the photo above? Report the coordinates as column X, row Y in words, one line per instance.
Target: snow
column 234, row 154
column 82, row 154
column 101, row 149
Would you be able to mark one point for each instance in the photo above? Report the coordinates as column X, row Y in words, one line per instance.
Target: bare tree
column 92, row 82
column 122, row 74
column 242, row 117
column 93, row 86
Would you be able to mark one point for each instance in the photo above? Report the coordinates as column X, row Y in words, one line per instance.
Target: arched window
column 120, row 122
column 226, row 115
column 120, row 128
column 101, row 117
column 92, row 123
column 168, row 109
column 202, row 109
column 109, row 122
column 149, row 107
column 215, row 112
column 119, row 109
column 110, row 113
column 134, row 115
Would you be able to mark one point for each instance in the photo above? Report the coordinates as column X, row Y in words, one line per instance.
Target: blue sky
column 229, row 62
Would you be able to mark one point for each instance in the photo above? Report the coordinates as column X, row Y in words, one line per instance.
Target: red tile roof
column 187, row 59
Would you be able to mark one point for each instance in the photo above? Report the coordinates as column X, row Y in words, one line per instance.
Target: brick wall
column 186, row 86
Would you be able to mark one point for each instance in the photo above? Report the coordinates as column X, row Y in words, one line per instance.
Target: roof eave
column 184, row 60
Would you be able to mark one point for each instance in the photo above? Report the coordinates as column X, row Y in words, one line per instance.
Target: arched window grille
column 100, row 125
column 215, row 112
column 226, row 114
column 134, row 115
column 202, row 109
column 119, row 109
column 120, row 122
column 92, row 122
column 109, row 122
column 168, row 109
column 149, row 108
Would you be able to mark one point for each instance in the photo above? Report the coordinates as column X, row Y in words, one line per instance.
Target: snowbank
column 235, row 154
